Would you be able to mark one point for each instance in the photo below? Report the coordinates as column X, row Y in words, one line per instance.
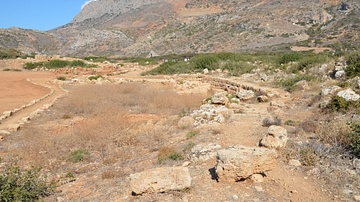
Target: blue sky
column 38, row 14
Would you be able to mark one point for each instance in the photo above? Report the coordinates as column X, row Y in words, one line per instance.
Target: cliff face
column 135, row 27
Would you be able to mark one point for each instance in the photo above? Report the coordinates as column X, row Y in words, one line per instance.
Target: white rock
column 160, row 180
column 349, row 95
column 329, row 90
column 204, row 151
column 294, row 162
column 220, row 98
column 245, row 94
column 276, row 137
column 240, row 162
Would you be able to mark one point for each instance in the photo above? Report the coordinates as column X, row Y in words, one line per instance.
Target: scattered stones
column 220, row 98
column 276, row 137
column 349, row 95
column 206, row 71
column 159, row 180
column 357, row 197
column 245, row 94
column 204, row 151
column 329, row 90
column 239, row 162
column 295, row 163
column 209, row 114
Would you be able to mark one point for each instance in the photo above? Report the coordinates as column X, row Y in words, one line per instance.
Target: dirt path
column 26, row 92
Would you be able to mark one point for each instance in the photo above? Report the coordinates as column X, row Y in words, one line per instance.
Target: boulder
column 329, row 90
column 220, row 98
column 160, row 180
column 239, row 162
column 349, row 95
column 245, row 94
column 339, row 74
column 276, row 137
column 204, row 151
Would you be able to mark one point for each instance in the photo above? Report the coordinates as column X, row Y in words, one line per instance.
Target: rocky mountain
column 136, row 27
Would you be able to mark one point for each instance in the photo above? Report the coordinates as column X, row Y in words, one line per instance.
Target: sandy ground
column 16, row 90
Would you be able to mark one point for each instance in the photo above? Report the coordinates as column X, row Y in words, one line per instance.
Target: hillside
column 135, row 27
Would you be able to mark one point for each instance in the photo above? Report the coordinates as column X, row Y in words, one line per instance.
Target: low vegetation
column 237, row 64
column 56, row 64
column 24, row 185
column 12, row 54
column 289, row 83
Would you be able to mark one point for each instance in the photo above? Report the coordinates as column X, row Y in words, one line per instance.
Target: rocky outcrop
column 239, row 162
column 160, row 180
column 349, row 95
column 204, row 151
column 220, row 98
column 209, row 114
column 329, row 90
column 245, row 94
column 275, row 138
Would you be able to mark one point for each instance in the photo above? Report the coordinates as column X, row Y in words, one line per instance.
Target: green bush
column 79, row 155
column 355, row 139
column 24, row 185
column 77, row 63
column 33, row 65
column 353, row 62
column 289, row 57
column 339, row 104
column 204, row 61
column 55, row 64
column 96, row 59
column 94, row 77
column 61, row 78
column 289, row 84
column 10, row 54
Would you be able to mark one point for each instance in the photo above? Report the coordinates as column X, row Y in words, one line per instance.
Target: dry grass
column 335, row 132
column 98, row 122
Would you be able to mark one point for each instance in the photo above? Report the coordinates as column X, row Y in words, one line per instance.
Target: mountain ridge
column 136, row 27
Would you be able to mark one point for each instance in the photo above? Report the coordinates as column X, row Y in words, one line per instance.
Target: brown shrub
column 334, row 132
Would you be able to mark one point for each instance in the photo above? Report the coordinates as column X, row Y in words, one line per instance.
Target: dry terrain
column 124, row 126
